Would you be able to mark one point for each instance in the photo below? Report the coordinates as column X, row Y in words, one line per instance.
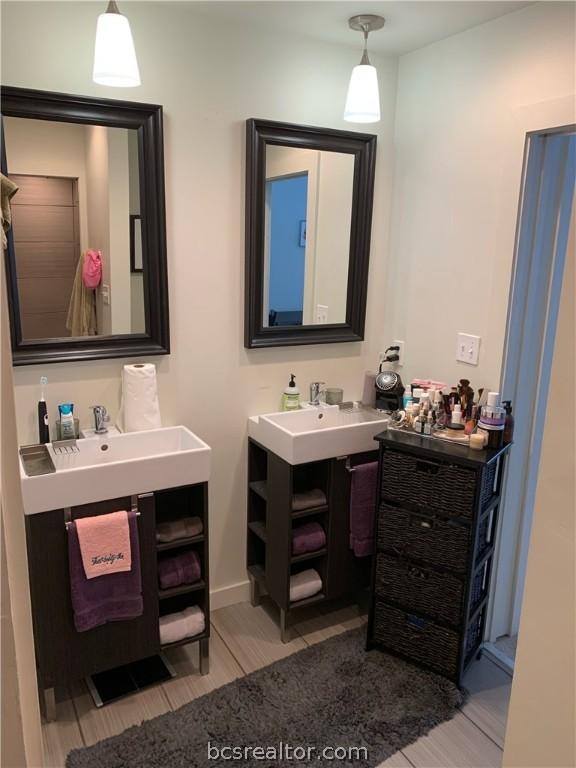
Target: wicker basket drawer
column 427, row 484
column 417, row 639
column 432, row 540
column 423, row 590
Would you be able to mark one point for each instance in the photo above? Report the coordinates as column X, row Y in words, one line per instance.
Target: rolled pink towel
column 308, row 538
column 183, row 568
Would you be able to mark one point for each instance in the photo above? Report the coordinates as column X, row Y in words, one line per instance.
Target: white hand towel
column 304, row 584
column 176, row 626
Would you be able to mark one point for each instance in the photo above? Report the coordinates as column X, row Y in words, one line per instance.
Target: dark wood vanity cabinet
column 271, row 519
column 64, row 655
column 435, row 532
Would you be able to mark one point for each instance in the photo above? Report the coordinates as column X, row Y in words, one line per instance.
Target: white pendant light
column 363, row 99
column 115, row 61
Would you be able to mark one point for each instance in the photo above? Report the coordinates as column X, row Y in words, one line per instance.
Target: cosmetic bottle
column 428, row 425
column 43, row 426
column 291, row 396
column 456, row 414
column 67, row 430
column 470, row 421
column 509, row 422
column 492, row 421
column 417, row 424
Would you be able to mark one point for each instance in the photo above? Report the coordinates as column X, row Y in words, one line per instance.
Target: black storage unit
column 436, row 521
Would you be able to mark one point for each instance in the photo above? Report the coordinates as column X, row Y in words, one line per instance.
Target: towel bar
column 68, row 516
column 349, row 467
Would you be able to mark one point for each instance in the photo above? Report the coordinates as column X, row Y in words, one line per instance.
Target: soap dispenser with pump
column 291, row 396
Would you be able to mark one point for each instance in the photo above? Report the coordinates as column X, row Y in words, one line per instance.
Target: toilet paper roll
column 140, row 405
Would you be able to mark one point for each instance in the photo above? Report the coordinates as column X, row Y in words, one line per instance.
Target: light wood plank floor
column 245, row 639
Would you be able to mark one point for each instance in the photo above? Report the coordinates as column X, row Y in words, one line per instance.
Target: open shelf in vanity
column 271, row 520
column 170, row 505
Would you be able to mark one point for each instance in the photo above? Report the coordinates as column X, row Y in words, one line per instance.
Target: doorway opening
column 545, row 225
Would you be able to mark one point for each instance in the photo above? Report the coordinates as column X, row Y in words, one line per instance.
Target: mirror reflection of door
column 307, row 236
column 286, row 200
column 47, row 246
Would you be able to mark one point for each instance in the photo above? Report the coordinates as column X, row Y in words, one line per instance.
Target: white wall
column 137, row 319
column 464, row 106
column 542, row 709
column 335, row 187
column 41, row 147
column 209, row 82
column 21, row 740
column 119, row 221
column 98, row 214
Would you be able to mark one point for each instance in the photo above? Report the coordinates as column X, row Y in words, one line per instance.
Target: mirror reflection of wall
column 307, row 235
column 78, row 187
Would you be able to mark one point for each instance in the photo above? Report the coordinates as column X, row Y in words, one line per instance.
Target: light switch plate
column 467, row 348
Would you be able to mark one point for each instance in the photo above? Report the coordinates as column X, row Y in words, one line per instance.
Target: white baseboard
column 235, row 593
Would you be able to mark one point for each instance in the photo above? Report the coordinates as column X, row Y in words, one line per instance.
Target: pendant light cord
column 365, row 59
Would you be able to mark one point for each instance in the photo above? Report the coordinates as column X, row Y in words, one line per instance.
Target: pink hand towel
column 104, row 544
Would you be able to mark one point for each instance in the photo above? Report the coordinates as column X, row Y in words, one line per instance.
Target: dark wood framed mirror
column 309, row 195
column 87, row 170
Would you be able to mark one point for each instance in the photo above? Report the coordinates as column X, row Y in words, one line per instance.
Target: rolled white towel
column 304, row 584
column 177, row 626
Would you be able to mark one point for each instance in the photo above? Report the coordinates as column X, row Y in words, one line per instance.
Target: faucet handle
column 100, row 418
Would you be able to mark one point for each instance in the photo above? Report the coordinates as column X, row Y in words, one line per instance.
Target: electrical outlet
column 467, row 348
column 105, row 293
column 400, row 352
column 321, row 314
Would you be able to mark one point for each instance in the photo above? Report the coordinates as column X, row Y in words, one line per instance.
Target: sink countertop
column 317, row 432
column 112, row 466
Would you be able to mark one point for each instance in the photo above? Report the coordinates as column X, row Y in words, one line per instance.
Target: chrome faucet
column 100, row 419
column 315, row 392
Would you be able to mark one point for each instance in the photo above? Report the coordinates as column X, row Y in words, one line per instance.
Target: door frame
column 544, row 213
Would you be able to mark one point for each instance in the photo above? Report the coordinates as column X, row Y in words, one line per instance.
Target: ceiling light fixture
column 363, row 99
column 115, row 61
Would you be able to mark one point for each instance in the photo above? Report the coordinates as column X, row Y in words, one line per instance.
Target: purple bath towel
column 362, row 504
column 179, row 569
column 111, row 597
column 308, row 538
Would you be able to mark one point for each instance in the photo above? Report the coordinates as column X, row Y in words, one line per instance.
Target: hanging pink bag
column 92, row 268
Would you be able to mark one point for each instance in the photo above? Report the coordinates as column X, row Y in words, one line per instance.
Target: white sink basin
column 320, row 433
column 110, row 466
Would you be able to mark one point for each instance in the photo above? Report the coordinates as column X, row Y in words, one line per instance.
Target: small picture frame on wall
column 302, row 240
column 136, row 264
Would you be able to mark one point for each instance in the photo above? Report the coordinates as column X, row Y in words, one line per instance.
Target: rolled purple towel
column 308, row 538
column 183, row 568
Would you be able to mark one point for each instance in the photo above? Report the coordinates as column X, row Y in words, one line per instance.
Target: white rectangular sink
column 110, row 466
column 320, row 433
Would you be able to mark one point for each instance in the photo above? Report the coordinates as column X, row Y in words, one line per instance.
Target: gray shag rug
column 333, row 694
